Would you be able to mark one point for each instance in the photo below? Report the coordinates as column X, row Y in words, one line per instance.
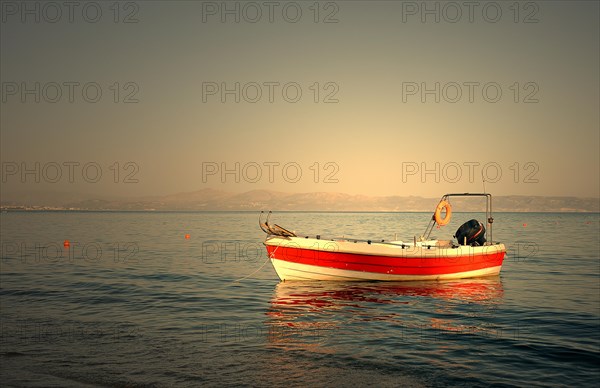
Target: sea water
column 132, row 302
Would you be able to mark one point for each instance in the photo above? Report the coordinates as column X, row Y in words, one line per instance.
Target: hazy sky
column 387, row 89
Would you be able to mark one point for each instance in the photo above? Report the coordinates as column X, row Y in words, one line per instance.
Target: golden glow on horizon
column 376, row 131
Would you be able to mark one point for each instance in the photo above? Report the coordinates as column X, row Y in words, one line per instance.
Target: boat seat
column 443, row 244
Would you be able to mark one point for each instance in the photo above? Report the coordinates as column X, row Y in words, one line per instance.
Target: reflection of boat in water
column 319, row 258
column 331, row 293
column 307, row 312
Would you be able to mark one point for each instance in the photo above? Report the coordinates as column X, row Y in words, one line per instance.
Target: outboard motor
column 473, row 230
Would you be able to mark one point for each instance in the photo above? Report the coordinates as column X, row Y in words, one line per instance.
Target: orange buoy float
column 443, row 205
column 187, row 236
column 66, row 243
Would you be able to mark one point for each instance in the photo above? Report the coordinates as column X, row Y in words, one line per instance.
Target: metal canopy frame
column 488, row 212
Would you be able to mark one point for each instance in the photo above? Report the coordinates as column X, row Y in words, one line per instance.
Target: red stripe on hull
column 386, row 264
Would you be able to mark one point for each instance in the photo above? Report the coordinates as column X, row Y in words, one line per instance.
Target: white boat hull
column 295, row 271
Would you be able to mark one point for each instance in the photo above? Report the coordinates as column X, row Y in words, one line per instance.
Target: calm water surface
column 132, row 302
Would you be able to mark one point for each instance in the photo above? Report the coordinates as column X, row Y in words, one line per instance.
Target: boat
column 469, row 255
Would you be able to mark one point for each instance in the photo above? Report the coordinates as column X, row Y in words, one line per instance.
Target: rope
column 269, row 257
column 247, row 276
column 259, row 268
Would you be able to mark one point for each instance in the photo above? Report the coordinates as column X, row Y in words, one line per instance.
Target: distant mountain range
column 219, row 200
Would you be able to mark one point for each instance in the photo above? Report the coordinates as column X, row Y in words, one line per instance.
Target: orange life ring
column 438, row 213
